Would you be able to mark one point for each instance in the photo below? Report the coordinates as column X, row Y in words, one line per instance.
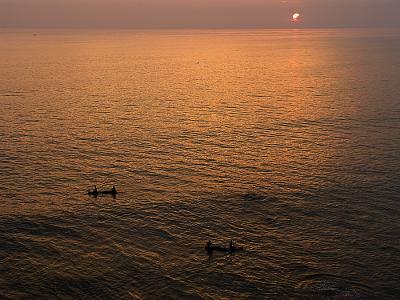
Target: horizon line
column 196, row 28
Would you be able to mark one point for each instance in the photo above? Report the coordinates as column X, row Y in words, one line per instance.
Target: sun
column 296, row 17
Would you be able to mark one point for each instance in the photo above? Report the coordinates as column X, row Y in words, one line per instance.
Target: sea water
column 285, row 141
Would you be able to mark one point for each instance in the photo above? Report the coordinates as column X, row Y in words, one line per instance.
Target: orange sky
column 198, row 13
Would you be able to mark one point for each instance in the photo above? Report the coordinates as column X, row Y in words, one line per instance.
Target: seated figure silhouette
column 93, row 192
column 209, row 246
column 114, row 190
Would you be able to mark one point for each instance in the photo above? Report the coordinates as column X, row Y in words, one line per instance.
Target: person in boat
column 231, row 247
column 209, row 245
column 114, row 190
column 94, row 192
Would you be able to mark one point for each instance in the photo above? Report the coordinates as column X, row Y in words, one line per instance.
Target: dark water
column 287, row 142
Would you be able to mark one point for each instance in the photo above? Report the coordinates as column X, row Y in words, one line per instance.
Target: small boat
column 110, row 192
column 223, row 249
column 96, row 192
column 231, row 249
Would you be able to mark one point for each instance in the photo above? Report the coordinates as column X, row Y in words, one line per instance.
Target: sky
column 198, row 13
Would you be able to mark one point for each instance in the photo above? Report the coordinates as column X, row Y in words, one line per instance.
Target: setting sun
column 295, row 17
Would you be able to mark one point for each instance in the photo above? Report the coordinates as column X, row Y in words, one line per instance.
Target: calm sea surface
column 286, row 141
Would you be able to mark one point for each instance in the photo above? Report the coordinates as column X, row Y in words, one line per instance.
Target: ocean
column 285, row 141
